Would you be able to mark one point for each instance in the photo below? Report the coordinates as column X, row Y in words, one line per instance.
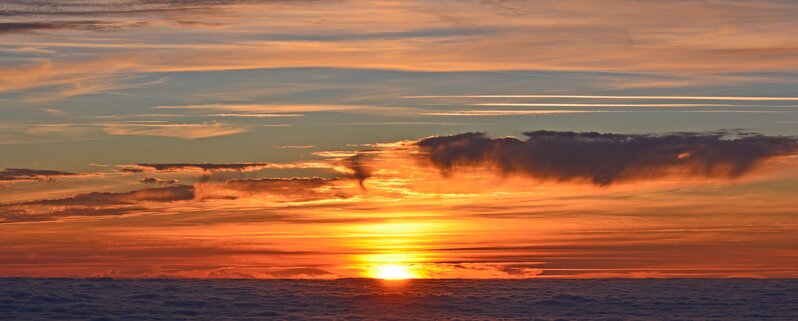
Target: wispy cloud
column 294, row 146
column 510, row 112
column 291, row 110
column 730, row 98
column 25, row 174
column 606, row 105
column 207, row 167
column 184, row 131
column 94, row 25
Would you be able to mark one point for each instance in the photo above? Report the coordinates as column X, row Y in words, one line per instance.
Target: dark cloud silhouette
column 301, row 273
column 290, row 189
column 210, row 167
column 119, row 203
column 361, row 170
column 67, row 8
column 33, row 26
column 604, row 159
column 20, row 216
column 155, row 180
column 91, row 204
column 162, row 194
column 105, row 7
column 49, row 15
column 25, row 174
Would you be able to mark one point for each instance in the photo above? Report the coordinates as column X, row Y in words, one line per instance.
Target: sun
column 393, row 272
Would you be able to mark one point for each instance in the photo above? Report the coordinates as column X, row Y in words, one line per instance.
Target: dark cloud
column 91, row 204
column 25, row 174
column 20, row 216
column 108, row 10
column 114, row 7
column 163, row 194
column 290, row 189
column 361, row 170
column 604, row 159
column 33, row 26
column 155, row 180
column 301, row 273
column 210, row 167
column 119, row 203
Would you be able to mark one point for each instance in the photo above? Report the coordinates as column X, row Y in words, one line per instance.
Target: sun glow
column 393, row 272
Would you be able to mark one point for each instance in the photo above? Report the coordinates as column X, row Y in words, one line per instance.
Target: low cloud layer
column 155, row 180
column 604, row 159
column 92, row 204
column 71, row 8
column 210, row 167
column 165, row 194
column 285, row 189
column 276, row 190
column 34, row 26
column 25, row 174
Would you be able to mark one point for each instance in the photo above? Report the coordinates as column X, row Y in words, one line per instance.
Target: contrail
column 732, row 98
column 608, row 105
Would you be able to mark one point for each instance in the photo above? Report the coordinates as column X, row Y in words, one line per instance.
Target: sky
column 429, row 139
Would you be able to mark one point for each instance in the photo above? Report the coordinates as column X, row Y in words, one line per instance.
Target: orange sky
column 327, row 139
column 472, row 222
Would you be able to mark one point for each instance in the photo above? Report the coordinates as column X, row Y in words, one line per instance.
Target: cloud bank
column 604, row 159
column 25, row 174
column 210, row 167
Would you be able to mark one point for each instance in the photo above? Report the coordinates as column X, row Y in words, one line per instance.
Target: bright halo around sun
column 393, row 272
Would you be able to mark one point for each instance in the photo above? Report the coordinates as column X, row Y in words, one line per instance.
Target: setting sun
column 393, row 272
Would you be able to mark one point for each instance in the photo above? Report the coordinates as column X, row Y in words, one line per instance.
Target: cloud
column 113, row 7
column 294, row 146
column 155, row 180
column 359, row 167
column 94, row 25
column 302, row 273
column 184, row 131
column 287, row 189
column 160, row 195
column 25, row 174
column 276, row 190
column 92, row 204
column 604, row 159
column 611, row 97
column 289, row 110
column 510, row 112
column 208, row 167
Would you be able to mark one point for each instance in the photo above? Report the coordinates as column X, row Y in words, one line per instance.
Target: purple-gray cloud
column 93, row 25
column 163, row 194
column 604, row 159
column 26, row 174
column 361, row 170
column 210, row 167
column 155, row 180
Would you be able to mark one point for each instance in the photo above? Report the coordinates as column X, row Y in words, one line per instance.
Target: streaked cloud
column 155, row 180
column 185, row 131
column 291, row 110
column 93, row 25
column 509, row 112
column 25, row 174
column 727, row 98
column 208, row 167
